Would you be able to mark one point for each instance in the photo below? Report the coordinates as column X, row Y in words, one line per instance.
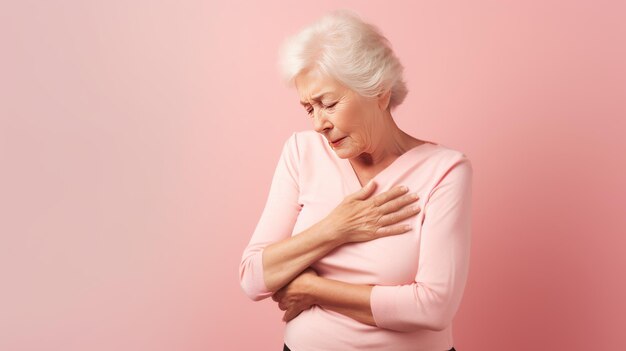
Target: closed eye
column 310, row 110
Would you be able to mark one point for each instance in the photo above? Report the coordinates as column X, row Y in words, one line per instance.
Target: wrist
column 313, row 288
column 331, row 233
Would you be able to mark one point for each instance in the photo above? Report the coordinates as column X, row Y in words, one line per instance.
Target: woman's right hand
column 360, row 217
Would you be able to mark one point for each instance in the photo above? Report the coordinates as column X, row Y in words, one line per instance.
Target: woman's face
column 338, row 112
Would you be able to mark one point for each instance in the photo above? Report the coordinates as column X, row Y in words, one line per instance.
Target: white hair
column 344, row 47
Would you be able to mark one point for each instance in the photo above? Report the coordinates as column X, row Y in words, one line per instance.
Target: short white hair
column 344, row 47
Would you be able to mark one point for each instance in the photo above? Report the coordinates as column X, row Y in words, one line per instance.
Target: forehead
column 313, row 85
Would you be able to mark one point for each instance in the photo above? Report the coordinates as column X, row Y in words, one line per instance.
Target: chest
column 364, row 175
column 387, row 261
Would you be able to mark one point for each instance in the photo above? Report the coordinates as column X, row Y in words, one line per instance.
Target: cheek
column 350, row 120
column 354, row 127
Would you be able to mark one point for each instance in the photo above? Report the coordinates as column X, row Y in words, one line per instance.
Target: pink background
column 138, row 140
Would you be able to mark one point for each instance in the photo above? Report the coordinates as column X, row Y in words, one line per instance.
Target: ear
column 383, row 99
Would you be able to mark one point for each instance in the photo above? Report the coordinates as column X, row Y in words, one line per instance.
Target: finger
column 282, row 306
column 398, row 203
column 389, row 195
column 290, row 314
column 395, row 217
column 393, row 230
column 365, row 191
column 278, row 295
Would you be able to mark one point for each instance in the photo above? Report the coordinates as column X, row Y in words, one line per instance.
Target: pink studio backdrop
column 138, row 140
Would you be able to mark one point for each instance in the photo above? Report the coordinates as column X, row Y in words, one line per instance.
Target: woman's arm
column 352, row 300
column 273, row 256
column 286, row 259
column 275, row 225
column 308, row 289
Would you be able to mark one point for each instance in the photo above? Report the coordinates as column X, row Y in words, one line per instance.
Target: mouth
column 337, row 142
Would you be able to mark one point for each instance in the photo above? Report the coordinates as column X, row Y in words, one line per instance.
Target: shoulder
column 303, row 145
column 306, row 142
column 446, row 157
column 447, row 165
column 306, row 137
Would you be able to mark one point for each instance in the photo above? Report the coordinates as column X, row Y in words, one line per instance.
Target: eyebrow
column 317, row 97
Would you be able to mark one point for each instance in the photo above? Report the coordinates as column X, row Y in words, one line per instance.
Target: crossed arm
column 308, row 289
column 298, row 287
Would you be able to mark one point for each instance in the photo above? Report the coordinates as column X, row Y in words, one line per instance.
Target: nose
column 320, row 122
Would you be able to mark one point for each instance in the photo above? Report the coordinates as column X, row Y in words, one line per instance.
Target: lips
column 337, row 140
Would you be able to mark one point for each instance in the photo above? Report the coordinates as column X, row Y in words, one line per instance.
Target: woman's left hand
column 296, row 296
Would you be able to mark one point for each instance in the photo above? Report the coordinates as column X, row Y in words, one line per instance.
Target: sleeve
column 276, row 223
column 431, row 301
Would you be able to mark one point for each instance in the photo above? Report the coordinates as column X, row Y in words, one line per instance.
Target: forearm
column 352, row 300
column 286, row 259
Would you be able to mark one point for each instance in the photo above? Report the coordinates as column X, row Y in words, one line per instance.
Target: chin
column 342, row 153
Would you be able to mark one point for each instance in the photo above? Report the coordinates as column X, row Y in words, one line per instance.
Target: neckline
column 353, row 179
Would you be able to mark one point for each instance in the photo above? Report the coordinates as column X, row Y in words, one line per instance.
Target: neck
column 389, row 143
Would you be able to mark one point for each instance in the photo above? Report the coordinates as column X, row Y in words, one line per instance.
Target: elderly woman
column 364, row 240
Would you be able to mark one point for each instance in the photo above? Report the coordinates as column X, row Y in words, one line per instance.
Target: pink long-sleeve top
column 418, row 277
